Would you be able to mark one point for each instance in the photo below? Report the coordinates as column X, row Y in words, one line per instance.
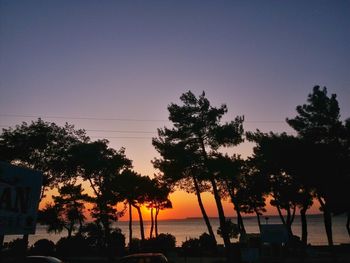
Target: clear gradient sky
column 116, row 65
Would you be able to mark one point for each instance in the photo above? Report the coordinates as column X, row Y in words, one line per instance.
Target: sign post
column 20, row 190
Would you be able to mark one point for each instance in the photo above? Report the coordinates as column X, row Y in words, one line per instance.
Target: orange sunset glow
column 185, row 205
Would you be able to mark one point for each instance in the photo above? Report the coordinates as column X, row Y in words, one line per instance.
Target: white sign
column 20, row 190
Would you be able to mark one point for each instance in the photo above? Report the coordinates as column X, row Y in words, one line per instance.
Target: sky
column 113, row 67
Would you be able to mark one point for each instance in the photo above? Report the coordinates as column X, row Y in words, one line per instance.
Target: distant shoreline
column 217, row 218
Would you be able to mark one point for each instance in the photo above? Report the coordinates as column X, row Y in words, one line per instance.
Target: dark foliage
column 43, row 247
column 16, row 247
column 117, row 246
column 163, row 243
column 135, row 246
column 73, row 246
column 202, row 246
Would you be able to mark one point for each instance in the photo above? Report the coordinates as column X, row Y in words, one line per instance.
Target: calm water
column 191, row 228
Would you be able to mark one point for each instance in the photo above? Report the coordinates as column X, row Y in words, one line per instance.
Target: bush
column 16, row 247
column 135, row 245
column 232, row 229
column 43, row 247
column 204, row 245
column 164, row 243
column 206, row 242
column 191, row 247
column 117, row 243
column 73, row 246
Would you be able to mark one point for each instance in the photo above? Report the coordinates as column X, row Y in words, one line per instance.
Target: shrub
column 232, row 229
column 191, row 247
column 204, row 245
column 164, row 243
column 73, row 246
column 206, row 242
column 135, row 245
column 117, row 243
column 43, row 247
column 16, row 247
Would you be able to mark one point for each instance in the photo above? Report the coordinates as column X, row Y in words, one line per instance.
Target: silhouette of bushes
column 16, row 247
column 43, row 247
column 117, row 243
column 207, row 243
column 204, row 245
column 135, row 245
column 73, row 246
column 191, row 247
column 164, row 243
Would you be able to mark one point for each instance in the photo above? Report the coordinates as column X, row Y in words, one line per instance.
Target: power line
column 119, row 137
column 82, row 118
column 112, row 131
column 116, row 119
column 118, row 131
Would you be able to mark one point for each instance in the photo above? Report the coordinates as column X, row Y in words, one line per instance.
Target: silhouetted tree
column 134, row 189
column 100, row 165
column 347, row 169
column 71, row 201
column 158, row 199
column 281, row 159
column 144, row 183
column 232, row 229
column 41, row 146
column 50, row 216
column 252, row 191
column 228, row 171
column 318, row 123
column 198, row 134
column 181, row 174
column 66, row 211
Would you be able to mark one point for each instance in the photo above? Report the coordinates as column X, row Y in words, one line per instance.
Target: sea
column 184, row 229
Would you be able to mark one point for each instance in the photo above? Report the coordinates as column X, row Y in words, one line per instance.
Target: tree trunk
column 152, row 224
column 80, row 217
column 142, row 230
column 328, row 225
column 222, row 220
column 280, row 214
column 240, row 223
column 204, row 213
column 348, row 224
column 303, row 226
column 26, row 242
column 221, row 213
column 106, row 227
column 258, row 218
column 130, row 222
column 289, row 222
column 70, row 229
column 2, row 237
column 156, row 221
column 327, row 217
column 293, row 215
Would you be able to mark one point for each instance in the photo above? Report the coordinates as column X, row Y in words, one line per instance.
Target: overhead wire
column 115, row 119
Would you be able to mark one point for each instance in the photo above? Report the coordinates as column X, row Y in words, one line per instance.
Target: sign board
column 20, row 190
column 274, row 234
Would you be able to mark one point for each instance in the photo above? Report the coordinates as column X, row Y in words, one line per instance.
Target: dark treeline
column 67, row 157
column 293, row 170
